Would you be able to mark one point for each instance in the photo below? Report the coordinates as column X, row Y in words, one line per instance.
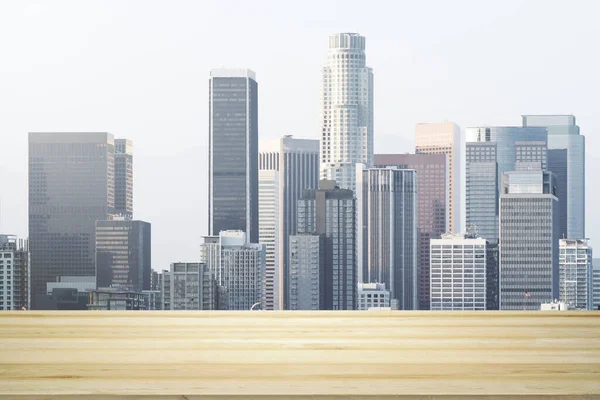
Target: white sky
column 139, row 69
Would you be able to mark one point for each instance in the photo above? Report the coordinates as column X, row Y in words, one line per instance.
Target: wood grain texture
column 274, row 355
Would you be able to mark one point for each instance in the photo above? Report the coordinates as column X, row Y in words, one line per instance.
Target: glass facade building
column 307, row 272
column 563, row 134
column 123, row 254
column 346, row 110
column 458, row 273
column 387, row 237
column 287, row 167
column 233, row 152
column 71, row 186
column 445, row 138
column 124, row 178
column 432, row 212
column 529, row 235
column 492, row 151
column 330, row 211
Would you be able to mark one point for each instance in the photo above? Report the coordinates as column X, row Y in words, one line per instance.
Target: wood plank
column 274, row 355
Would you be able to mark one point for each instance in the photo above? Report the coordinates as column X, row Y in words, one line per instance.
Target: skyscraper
column 287, row 167
column 71, row 186
column 492, row 151
column 124, row 178
column 445, row 138
column 432, row 211
column 123, row 253
column 307, row 272
column 238, row 266
column 576, row 273
column 233, row 152
column 528, row 240
column 387, row 237
column 14, row 273
column 330, row 210
column 563, row 134
column 347, row 110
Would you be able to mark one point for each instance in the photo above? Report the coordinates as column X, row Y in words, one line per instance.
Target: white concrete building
column 347, row 110
column 14, row 273
column 373, row 295
column 239, row 267
column 575, row 273
column 458, row 273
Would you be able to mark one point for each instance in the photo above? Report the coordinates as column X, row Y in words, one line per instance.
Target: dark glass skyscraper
column 233, row 152
column 71, row 186
column 330, row 210
column 433, row 177
column 387, row 238
column 123, row 253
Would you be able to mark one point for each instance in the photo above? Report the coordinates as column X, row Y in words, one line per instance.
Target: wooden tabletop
column 273, row 355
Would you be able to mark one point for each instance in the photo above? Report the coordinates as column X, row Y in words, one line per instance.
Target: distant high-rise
column 374, row 295
column 192, row 286
column 287, row 167
column 564, row 137
column 71, row 186
column 596, row 284
column 238, row 267
column 529, row 234
column 124, row 178
column 432, row 211
column 387, row 236
column 347, row 110
column 576, row 274
column 233, row 152
column 445, row 138
column 330, row 211
column 123, row 253
column 492, row 151
column 14, row 273
column 458, row 273
column 307, row 272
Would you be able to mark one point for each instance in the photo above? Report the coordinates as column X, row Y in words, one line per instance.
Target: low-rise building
column 374, row 295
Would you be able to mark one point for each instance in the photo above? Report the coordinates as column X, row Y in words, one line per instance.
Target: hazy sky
column 139, row 69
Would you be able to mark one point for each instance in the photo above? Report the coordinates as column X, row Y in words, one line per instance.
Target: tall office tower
column 576, row 273
column 445, row 138
column 123, row 253
column 307, row 272
column 192, row 286
column 238, row 267
column 330, row 211
column 528, row 240
column 564, row 137
column 233, row 152
column 71, row 186
column 492, row 151
column 386, row 200
column 458, row 273
column 124, row 178
column 432, row 211
column 492, row 275
column 287, row 167
column 596, row 284
column 14, row 273
column 347, row 110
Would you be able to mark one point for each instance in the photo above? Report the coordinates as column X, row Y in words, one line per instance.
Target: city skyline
column 153, row 191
